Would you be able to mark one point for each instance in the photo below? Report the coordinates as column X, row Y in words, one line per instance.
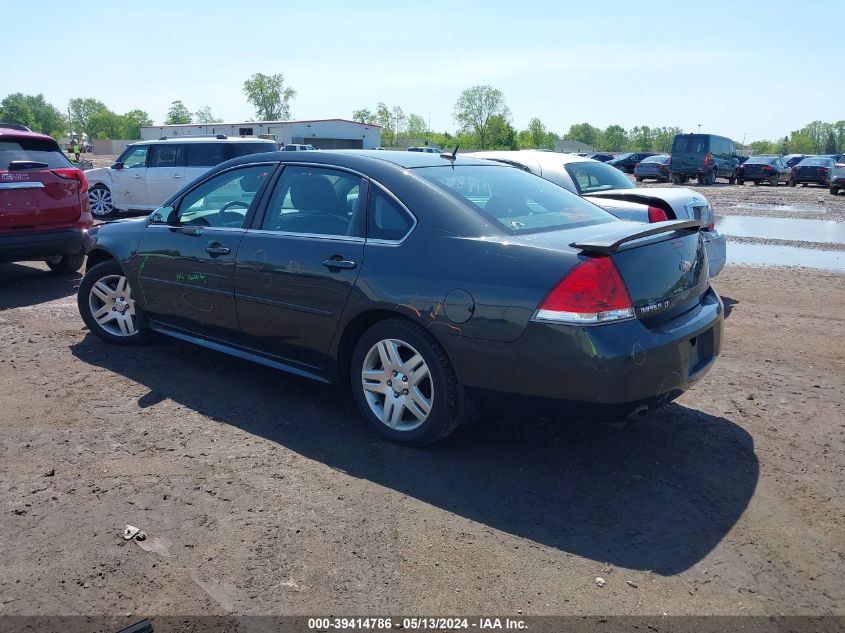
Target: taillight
column 73, row 174
column 707, row 160
column 593, row 292
column 637, row 165
column 767, row 168
column 823, row 170
column 656, row 214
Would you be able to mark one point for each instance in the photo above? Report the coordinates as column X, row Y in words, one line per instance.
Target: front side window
column 315, row 201
column 590, row 177
column 225, row 199
column 167, row 155
column 207, row 154
column 135, row 157
column 516, row 201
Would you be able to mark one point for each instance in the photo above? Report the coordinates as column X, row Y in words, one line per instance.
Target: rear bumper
column 598, row 373
column 819, row 180
column 17, row 247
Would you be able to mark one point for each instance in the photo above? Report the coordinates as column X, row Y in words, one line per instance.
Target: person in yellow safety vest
column 76, row 150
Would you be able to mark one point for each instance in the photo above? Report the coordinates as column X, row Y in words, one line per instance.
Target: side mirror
column 117, row 165
column 164, row 215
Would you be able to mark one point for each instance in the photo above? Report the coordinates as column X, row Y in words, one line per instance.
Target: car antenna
column 452, row 155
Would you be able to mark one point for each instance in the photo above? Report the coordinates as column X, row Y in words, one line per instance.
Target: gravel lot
column 262, row 492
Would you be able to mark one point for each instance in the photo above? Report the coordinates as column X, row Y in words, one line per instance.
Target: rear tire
column 834, row 191
column 639, row 178
column 100, row 201
column 676, row 179
column 106, row 305
column 773, row 181
column 740, row 182
column 792, row 183
column 401, row 351
column 65, row 264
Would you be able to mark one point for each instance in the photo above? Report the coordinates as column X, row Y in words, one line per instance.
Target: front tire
column 107, row 306
column 639, row 178
column 404, row 385
column 100, row 201
column 792, row 183
column 65, row 264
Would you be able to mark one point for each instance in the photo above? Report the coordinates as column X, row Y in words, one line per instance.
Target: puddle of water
column 800, row 208
column 782, row 228
column 766, row 255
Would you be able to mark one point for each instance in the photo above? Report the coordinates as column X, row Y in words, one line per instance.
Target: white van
column 148, row 172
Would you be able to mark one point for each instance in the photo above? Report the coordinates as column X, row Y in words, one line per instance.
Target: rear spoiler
column 608, row 243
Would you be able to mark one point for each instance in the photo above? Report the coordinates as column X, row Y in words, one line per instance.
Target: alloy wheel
column 100, row 200
column 397, row 385
column 112, row 305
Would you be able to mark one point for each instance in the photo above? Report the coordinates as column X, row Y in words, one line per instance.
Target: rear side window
column 34, row 150
column 515, row 201
column 207, row 154
column 386, row 220
column 589, row 177
column 242, row 149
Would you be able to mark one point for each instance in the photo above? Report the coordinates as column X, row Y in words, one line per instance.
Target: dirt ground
column 262, row 492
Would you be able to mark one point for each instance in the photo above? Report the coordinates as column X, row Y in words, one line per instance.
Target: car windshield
column 655, row 159
column 816, row 162
column 592, row 176
column 516, row 201
column 36, row 150
column 760, row 160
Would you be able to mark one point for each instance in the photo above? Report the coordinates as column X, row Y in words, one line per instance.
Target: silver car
column 610, row 189
column 837, row 176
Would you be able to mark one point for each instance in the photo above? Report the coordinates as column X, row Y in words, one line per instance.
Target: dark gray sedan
column 653, row 168
column 431, row 285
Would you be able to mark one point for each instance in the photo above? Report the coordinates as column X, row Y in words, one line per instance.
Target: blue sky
column 603, row 62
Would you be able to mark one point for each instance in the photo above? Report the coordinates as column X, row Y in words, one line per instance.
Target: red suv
column 44, row 210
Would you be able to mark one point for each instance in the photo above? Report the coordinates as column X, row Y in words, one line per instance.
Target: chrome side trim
column 22, row 185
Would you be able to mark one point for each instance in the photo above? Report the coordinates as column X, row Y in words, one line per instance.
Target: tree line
column 482, row 117
column 92, row 118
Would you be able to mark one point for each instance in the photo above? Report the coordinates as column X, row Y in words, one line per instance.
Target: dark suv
column 703, row 156
column 627, row 162
column 44, row 211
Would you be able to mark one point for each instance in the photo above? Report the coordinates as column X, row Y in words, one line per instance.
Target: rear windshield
column 691, row 144
column 242, row 149
column 516, row 201
column 624, row 156
column 32, row 149
column 813, row 162
column 591, row 177
column 655, row 159
column 760, row 160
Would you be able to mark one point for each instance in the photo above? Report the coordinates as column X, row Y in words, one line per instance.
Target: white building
column 321, row 133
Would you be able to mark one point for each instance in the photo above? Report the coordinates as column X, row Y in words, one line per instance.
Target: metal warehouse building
column 321, row 133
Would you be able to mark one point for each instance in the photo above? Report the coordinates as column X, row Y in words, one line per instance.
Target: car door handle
column 216, row 249
column 339, row 263
column 137, row 175
column 177, row 175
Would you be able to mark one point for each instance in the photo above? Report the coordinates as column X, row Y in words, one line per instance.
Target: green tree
column 541, row 138
column 801, row 143
column 614, row 139
column 783, row 147
column 178, row 114
column 132, row 122
column 400, row 121
column 385, row 120
column 500, row 133
column 46, row 118
column 15, row 109
column 474, row 109
column 764, row 147
column 270, row 96
column 585, row 133
column 81, row 110
column 417, row 127
column 106, row 124
column 830, row 143
column 364, row 115
column 642, row 138
column 203, row 115
column 839, row 130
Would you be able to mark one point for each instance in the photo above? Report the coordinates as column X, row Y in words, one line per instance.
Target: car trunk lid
column 34, row 198
column 663, row 265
